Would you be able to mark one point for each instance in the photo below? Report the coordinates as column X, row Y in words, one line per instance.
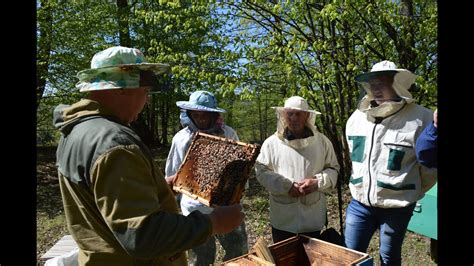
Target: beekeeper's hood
column 402, row 79
column 295, row 103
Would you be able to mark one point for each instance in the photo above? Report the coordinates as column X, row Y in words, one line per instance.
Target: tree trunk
column 165, row 113
column 123, row 13
column 44, row 50
column 259, row 111
column 407, row 54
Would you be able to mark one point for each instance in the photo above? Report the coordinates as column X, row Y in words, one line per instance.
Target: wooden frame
column 215, row 169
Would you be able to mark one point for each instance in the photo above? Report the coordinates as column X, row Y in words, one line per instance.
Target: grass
column 51, row 223
column 50, row 218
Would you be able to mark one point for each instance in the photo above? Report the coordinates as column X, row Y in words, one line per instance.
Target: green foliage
column 185, row 34
column 251, row 54
column 189, row 35
column 316, row 49
column 69, row 33
column 78, row 30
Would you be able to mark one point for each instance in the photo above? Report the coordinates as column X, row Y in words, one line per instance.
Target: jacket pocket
column 284, row 199
column 396, row 194
column 397, row 152
column 356, row 181
column 356, row 187
column 356, row 148
column 311, row 198
column 395, row 156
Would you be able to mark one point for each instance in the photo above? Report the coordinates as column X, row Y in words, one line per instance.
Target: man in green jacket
column 119, row 208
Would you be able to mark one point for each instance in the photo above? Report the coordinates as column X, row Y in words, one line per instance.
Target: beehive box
column 215, row 169
column 302, row 250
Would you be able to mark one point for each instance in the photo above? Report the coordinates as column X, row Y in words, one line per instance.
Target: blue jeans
column 362, row 221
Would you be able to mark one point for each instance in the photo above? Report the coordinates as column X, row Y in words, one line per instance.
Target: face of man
column 296, row 120
column 126, row 104
column 137, row 98
column 382, row 90
column 203, row 120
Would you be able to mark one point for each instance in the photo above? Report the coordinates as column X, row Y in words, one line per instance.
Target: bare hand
column 308, row 185
column 295, row 191
column 170, row 180
column 226, row 218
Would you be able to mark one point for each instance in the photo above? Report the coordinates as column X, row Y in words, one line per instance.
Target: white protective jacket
column 385, row 172
column 282, row 162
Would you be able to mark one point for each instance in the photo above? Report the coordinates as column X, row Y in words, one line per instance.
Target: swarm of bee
column 216, row 169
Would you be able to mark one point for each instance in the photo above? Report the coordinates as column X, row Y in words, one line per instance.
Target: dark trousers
column 279, row 235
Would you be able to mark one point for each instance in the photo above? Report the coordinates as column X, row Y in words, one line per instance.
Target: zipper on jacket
column 398, row 145
column 377, row 121
column 368, row 162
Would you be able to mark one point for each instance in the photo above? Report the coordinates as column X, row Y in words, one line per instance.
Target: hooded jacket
column 282, row 162
column 381, row 139
column 118, row 207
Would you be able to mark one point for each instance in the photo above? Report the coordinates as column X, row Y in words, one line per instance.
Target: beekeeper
column 297, row 165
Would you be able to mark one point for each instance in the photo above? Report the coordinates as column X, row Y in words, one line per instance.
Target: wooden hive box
column 215, row 169
column 301, row 250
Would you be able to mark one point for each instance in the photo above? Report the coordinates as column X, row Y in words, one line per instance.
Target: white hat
column 296, row 103
column 402, row 80
column 300, row 104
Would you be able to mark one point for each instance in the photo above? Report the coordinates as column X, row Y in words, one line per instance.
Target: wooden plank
column 180, row 189
column 243, row 260
column 227, row 140
column 65, row 245
column 289, row 252
column 262, row 250
column 326, row 251
column 260, row 261
column 240, row 262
